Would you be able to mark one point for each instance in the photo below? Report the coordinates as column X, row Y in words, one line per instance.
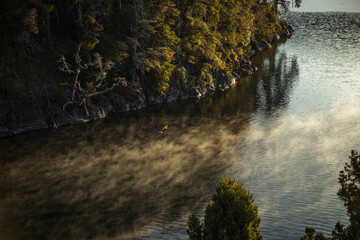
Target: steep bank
column 163, row 51
column 38, row 119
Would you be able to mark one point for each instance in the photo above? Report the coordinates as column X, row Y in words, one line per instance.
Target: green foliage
column 231, row 214
column 156, row 65
column 190, row 42
column 310, row 234
column 89, row 32
column 89, row 15
column 194, row 230
column 159, row 43
column 236, row 23
column 88, row 41
column 34, row 15
column 30, row 20
column 217, row 32
column 206, row 74
column 349, row 192
column 114, row 49
column 180, row 75
column 266, row 21
column 43, row 7
column 340, row 232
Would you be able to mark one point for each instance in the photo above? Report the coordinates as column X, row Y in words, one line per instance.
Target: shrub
column 231, row 214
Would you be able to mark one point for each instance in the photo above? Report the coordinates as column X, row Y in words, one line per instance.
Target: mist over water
column 286, row 132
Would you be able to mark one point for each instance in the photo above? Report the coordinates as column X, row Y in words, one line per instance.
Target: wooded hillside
column 151, row 45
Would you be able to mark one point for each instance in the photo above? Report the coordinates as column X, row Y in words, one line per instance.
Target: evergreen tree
column 153, row 43
column 231, row 214
column 157, row 44
column 349, row 192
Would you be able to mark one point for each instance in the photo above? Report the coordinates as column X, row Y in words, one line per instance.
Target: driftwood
column 79, row 95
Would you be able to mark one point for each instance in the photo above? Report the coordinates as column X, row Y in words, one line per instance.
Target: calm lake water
column 286, row 132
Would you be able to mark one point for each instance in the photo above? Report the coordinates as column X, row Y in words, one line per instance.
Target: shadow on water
column 119, row 177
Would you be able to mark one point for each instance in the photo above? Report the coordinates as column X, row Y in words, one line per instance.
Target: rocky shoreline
column 39, row 119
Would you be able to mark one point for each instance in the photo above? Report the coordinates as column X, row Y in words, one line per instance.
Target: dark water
column 286, row 132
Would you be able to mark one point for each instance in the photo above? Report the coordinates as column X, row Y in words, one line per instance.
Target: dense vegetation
column 231, row 214
column 151, row 43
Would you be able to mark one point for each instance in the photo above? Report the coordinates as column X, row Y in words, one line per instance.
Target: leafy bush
column 231, row 214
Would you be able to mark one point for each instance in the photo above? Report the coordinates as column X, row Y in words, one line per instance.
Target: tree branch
column 79, row 95
column 104, row 91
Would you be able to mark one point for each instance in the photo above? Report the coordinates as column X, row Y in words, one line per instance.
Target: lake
column 286, row 131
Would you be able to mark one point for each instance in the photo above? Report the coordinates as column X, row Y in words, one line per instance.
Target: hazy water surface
column 286, row 132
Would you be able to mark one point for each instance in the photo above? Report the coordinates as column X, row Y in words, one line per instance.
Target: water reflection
column 118, row 178
column 268, row 89
column 276, row 78
column 111, row 178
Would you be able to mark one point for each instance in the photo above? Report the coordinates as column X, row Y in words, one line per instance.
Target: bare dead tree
column 79, row 95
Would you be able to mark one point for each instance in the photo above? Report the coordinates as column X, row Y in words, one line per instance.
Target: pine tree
column 231, row 214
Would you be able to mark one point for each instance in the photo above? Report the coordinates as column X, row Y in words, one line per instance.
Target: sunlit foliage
column 311, row 234
column 231, row 214
column 153, row 43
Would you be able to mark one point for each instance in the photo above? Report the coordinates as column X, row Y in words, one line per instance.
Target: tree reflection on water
column 120, row 178
column 275, row 80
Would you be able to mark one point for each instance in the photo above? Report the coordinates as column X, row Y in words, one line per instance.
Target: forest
column 56, row 55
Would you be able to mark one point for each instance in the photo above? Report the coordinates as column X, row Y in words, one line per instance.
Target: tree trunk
column 79, row 14
column 79, row 95
column 56, row 13
column 48, row 21
column 135, row 42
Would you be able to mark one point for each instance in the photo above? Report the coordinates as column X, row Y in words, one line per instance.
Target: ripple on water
column 286, row 131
